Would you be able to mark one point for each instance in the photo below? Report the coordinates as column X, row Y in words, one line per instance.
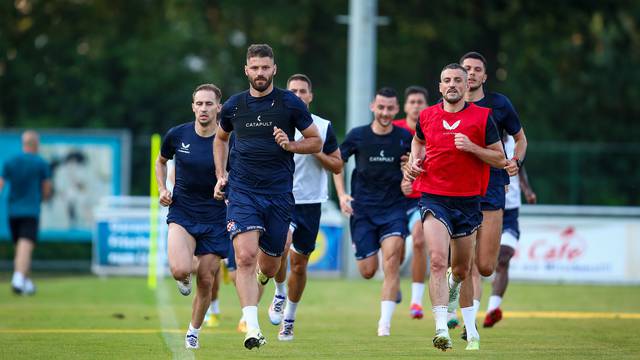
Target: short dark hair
column 259, row 50
column 207, row 87
column 415, row 89
column 387, row 92
column 301, row 77
column 454, row 66
column 474, row 55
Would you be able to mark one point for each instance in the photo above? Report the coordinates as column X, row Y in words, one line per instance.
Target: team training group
column 250, row 175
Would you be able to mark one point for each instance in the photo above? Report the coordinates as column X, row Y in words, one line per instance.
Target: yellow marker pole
column 152, row 272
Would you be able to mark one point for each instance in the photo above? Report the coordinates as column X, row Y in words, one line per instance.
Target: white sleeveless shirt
column 310, row 179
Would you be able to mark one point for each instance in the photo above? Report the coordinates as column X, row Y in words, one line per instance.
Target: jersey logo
column 184, row 148
column 382, row 158
column 258, row 118
column 446, row 125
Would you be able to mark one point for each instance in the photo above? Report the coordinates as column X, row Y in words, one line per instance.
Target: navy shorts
column 510, row 223
column 368, row 231
column 494, row 199
column 210, row 238
column 460, row 215
column 268, row 213
column 24, row 227
column 306, row 223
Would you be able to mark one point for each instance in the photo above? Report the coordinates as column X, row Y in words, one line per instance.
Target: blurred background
column 98, row 78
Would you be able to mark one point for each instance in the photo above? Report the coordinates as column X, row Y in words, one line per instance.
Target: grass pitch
column 85, row 317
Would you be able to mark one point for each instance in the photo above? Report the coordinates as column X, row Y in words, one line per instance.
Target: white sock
column 290, row 310
column 452, row 315
column 386, row 312
column 250, row 315
column 417, row 292
column 281, row 289
column 476, row 306
column 193, row 331
column 469, row 318
column 215, row 307
column 494, row 302
column 440, row 315
column 18, row 279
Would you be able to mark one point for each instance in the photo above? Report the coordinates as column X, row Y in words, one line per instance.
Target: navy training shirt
column 506, row 119
column 375, row 181
column 260, row 165
column 195, row 176
column 25, row 173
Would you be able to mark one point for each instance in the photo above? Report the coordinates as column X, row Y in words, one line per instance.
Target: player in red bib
column 415, row 100
column 454, row 145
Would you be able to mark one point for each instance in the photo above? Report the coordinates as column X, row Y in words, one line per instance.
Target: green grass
column 337, row 319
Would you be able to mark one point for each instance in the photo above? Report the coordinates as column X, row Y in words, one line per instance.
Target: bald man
column 29, row 177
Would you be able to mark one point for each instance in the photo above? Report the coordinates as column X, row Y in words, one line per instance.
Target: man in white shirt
column 310, row 190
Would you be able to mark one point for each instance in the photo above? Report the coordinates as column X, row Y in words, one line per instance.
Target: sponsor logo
column 184, row 148
column 381, row 158
column 446, row 125
column 259, row 123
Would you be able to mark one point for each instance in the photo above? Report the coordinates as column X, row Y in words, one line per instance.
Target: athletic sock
column 440, row 315
column 476, row 306
column 290, row 310
column 250, row 315
column 417, row 292
column 468, row 316
column 494, row 302
column 281, row 289
column 386, row 312
column 193, row 331
column 17, row 280
column 215, row 307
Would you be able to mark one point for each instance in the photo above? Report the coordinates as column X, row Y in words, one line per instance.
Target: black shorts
column 24, row 227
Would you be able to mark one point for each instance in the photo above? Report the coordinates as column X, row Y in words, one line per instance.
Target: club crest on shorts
column 231, row 226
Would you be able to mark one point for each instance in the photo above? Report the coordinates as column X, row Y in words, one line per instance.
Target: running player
column 459, row 140
column 310, row 190
column 415, row 100
column 196, row 220
column 510, row 236
column 377, row 208
column 492, row 204
column 264, row 119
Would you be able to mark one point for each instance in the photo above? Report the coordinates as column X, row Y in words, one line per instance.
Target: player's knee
column 298, row 267
column 419, row 244
column 245, row 259
column 461, row 271
column 438, row 264
column 180, row 272
column 205, row 282
column 486, row 268
column 367, row 273
column 506, row 253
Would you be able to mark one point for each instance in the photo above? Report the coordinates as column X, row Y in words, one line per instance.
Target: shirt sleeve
column 300, row 115
column 349, row 145
column 168, row 148
column 511, row 118
column 226, row 114
column 330, row 141
column 491, row 132
column 419, row 133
